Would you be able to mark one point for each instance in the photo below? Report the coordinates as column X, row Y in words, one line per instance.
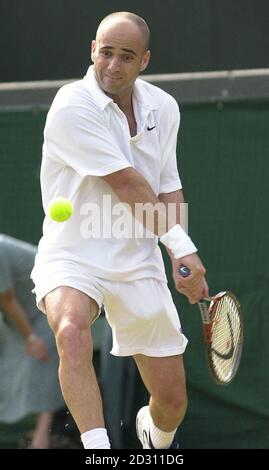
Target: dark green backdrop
column 223, row 158
column 50, row 39
column 223, row 151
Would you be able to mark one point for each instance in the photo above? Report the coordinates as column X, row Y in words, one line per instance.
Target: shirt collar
column 101, row 98
column 141, row 94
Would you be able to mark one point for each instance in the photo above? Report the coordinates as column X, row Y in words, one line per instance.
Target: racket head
column 224, row 337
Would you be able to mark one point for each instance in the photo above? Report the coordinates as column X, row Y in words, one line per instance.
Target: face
column 118, row 54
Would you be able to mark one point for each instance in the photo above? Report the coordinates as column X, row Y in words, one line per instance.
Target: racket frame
column 207, row 316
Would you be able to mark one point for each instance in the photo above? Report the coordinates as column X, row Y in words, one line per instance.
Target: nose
column 114, row 64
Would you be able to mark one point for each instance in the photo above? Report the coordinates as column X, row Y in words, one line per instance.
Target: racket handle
column 184, row 271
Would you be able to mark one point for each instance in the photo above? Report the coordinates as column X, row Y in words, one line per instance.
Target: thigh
column 162, row 375
column 49, row 274
column 69, row 304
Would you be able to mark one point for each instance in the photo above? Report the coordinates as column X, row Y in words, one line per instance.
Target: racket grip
column 184, row 271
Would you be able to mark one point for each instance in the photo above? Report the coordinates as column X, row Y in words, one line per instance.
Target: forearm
column 13, row 310
column 175, row 200
column 15, row 313
column 133, row 189
column 178, row 212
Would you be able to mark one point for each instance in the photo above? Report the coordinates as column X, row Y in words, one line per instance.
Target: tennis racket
column 223, row 332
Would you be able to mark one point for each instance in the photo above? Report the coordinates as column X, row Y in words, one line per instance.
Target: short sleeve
column 78, row 137
column 5, row 273
column 169, row 177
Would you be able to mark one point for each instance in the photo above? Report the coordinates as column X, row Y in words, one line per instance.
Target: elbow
column 121, row 180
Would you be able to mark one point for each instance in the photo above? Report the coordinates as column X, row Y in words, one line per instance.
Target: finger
column 205, row 289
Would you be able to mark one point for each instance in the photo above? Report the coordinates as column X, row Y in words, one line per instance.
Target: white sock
column 95, row 439
column 160, row 439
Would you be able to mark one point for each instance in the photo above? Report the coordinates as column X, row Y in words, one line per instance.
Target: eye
column 106, row 53
column 127, row 58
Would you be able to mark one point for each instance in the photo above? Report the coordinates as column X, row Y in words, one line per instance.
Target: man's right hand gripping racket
column 223, row 332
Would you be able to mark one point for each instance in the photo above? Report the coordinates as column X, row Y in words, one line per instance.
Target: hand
column 35, row 346
column 194, row 286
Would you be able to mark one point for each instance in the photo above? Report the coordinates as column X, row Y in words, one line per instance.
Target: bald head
column 125, row 16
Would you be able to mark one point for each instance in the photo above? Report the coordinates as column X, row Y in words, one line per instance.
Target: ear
column 93, row 48
column 145, row 61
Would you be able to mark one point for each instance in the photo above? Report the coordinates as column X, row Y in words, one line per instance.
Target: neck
column 124, row 101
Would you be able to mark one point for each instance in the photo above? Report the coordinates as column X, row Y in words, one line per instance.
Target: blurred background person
column 28, row 357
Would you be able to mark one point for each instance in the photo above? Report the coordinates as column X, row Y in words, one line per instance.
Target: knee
column 73, row 339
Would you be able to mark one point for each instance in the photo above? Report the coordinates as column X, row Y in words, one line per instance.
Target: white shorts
column 141, row 313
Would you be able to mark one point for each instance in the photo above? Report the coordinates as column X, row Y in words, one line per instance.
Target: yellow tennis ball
column 60, row 209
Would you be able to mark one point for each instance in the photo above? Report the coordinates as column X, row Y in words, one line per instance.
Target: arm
column 132, row 188
column 195, row 286
column 14, row 311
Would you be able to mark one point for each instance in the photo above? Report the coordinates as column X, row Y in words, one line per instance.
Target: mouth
column 114, row 79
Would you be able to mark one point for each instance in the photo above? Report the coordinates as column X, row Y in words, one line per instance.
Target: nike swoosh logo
column 147, row 438
column 150, row 128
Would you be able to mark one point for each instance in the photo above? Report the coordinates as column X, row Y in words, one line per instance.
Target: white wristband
column 178, row 242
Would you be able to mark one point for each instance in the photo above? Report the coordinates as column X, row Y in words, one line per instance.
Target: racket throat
column 206, row 321
column 204, row 313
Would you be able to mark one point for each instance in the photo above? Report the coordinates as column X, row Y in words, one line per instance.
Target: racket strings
column 225, row 338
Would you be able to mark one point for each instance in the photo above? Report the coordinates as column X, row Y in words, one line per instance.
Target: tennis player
column 111, row 138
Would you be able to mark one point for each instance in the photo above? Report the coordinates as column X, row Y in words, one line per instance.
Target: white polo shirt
column 86, row 137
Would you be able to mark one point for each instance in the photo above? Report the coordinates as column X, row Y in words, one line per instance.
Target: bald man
column 110, row 147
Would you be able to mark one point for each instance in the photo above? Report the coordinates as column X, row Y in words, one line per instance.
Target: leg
column 150, row 323
column 70, row 313
column 111, row 378
column 164, row 377
column 41, row 435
